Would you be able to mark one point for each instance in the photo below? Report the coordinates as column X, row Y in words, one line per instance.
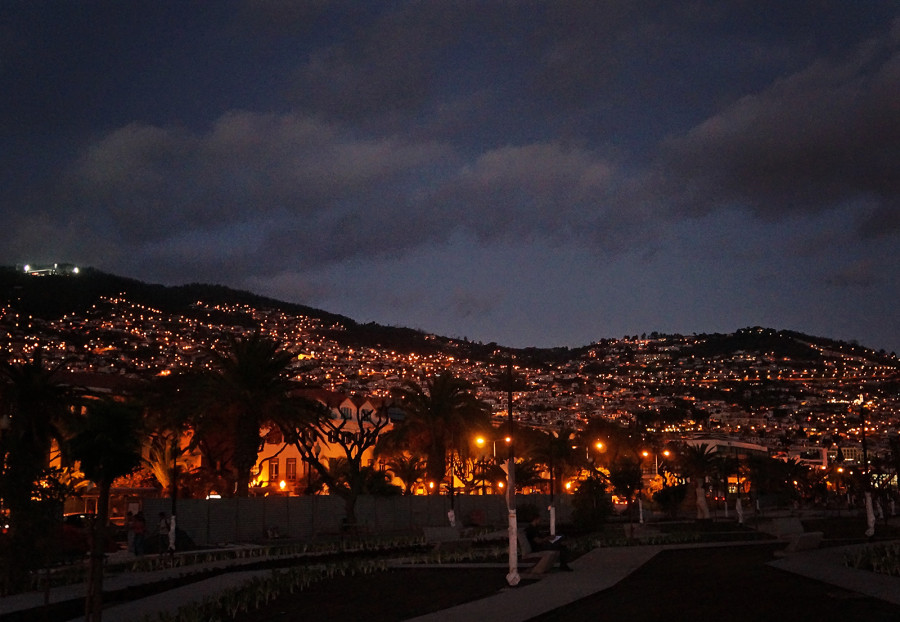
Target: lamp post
column 512, row 578
column 175, row 450
column 557, row 439
column 479, row 442
column 867, row 488
column 598, row 445
column 452, row 491
column 656, row 460
column 552, row 507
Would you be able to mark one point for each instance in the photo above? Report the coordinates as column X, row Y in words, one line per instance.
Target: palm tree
column 441, row 416
column 617, row 441
column 108, row 446
column 249, row 386
column 35, row 409
column 563, row 458
column 165, row 460
column 625, row 478
column 172, row 406
column 697, row 462
column 408, row 468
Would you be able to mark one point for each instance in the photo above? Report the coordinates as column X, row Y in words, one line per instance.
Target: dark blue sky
column 531, row 173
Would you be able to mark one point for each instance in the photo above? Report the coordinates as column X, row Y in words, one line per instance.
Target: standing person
column 172, row 533
column 139, row 527
column 129, row 526
column 162, row 534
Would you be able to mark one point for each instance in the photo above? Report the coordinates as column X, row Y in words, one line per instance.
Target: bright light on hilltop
column 64, row 269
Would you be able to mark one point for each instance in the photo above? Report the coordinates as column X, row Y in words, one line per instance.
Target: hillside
column 49, row 297
column 756, row 383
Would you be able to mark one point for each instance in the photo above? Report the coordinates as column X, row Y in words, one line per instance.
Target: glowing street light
column 598, row 445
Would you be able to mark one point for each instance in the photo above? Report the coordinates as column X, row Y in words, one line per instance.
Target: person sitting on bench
column 540, row 542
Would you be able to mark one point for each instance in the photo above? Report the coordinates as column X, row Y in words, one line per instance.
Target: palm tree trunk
column 700, row 492
column 93, row 602
column 350, row 510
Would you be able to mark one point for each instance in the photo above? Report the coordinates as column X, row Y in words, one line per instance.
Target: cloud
column 146, row 184
column 382, row 64
column 859, row 274
column 528, row 122
column 826, row 136
column 542, row 188
column 312, row 192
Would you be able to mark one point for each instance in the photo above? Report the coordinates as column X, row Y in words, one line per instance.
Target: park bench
column 806, row 541
column 446, row 538
column 781, row 527
column 790, row 530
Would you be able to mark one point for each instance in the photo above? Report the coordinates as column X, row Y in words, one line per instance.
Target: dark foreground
column 730, row 583
column 383, row 597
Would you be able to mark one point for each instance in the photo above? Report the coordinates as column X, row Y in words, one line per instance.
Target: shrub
column 591, row 505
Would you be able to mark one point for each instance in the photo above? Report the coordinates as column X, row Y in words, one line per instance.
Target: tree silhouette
column 35, row 410
column 558, row 451
column 625, row 478
column 697, row 461
column 172, row 405
column 408, row 468
column 354, row 433
column 617, row 441
column 249, row 386
column 440, row 417
column 108, row 445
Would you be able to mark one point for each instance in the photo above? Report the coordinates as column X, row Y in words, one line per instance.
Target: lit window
column 291, row 469
column 273, row 469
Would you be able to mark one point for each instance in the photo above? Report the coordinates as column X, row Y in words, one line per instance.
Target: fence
column 218, row 521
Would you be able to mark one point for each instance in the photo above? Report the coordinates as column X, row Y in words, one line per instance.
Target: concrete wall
column 219, row 521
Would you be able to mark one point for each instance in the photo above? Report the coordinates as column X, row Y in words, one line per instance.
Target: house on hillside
column 281, row 468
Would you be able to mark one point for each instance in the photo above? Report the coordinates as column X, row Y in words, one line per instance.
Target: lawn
column 731, row 583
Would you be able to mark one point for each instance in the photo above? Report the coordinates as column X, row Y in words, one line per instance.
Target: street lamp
column 557, row 440
column 598, row 445
column 867, row 488
column 665, row 453
column 512, row 578
column 479, row 442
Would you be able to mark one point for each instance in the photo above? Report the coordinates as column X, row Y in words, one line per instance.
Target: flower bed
column 878, row 558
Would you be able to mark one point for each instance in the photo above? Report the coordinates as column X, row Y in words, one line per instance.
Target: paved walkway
column 595, row 571
column 827, row 565
column 168, row 601
column 603, row 568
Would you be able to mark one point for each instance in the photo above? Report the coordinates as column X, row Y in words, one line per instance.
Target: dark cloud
column 283, row 146
column 860, row 274
column 825, row 136
column 148, row 182
column 532, row 189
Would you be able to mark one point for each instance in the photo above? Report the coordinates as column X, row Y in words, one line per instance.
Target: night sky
column 530, row 173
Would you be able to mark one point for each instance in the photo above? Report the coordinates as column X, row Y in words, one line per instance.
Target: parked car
column 77, row 530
